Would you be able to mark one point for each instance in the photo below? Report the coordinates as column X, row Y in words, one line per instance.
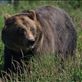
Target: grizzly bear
column 41, row 31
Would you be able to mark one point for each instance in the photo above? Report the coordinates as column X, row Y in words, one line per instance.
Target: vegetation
column 48, row 68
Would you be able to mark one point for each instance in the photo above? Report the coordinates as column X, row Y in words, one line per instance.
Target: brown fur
column 45, row 30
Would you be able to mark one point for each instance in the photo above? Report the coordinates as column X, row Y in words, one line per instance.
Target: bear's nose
column 31, row 37
column 31, row 42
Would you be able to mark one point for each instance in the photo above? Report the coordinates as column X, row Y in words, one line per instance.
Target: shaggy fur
column 53, row 32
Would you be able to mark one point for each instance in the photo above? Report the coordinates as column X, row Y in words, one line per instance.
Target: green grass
column 48, row 68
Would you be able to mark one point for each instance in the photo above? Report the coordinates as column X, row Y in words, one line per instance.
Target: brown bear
column 40, row 31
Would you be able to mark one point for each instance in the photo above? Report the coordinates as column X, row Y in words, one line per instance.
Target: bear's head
column 21, row 31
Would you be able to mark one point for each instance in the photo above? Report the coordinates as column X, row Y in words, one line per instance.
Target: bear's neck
column 45, row 44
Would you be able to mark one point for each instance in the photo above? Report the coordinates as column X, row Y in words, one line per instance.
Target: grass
column 48, row 68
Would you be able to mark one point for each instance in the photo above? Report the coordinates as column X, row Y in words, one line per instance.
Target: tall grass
column 48, row 68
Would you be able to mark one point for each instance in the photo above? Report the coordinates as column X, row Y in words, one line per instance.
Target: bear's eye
column 20, row 31
column 33, row 30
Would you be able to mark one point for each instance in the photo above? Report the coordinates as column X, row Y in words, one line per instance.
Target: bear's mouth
column 27, row 45
column 30, row 43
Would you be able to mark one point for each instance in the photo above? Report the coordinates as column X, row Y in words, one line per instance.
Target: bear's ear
column 32, row 15
column 7, row 16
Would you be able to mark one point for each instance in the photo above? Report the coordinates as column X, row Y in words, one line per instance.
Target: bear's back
column 62, row 28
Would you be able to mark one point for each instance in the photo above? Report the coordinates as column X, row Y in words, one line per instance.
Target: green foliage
column 1, row 22
column 48, row 68
column 75, row 4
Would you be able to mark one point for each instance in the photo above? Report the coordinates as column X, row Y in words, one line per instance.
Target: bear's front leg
column 7, row 59
column 12, row 60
